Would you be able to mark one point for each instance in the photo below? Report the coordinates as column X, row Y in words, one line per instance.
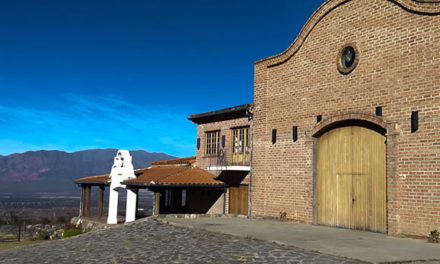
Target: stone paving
column 153, row 242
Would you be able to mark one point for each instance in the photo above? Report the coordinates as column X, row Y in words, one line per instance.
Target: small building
column 179, row 186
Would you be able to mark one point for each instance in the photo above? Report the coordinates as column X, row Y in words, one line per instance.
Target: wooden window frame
column 212, row 142
column 243, row 136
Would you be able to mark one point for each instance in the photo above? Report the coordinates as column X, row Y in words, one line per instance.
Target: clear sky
column 79, row 74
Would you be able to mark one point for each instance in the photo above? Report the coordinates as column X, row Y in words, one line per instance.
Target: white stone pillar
column 122, row 170
column 131, row 207
column 113, row 207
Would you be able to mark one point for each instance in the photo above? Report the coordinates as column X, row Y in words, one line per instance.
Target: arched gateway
column 351, row 177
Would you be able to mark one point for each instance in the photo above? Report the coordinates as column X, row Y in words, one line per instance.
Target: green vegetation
column 9, row 245
column 72, row 232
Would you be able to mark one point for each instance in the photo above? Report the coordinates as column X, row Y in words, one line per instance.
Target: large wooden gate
column 239, row 200
column 351, row 179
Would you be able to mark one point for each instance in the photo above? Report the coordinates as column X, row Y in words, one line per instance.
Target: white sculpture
column 122, row 170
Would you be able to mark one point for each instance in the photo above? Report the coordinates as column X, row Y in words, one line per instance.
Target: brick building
column 344, row 130
column 347, row 120
column 224, row 146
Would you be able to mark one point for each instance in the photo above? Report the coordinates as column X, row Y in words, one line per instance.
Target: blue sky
column 79, row 74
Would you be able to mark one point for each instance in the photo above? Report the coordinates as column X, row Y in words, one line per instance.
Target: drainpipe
column 251, row 119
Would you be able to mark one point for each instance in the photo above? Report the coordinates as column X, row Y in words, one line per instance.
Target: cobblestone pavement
column 153, row 242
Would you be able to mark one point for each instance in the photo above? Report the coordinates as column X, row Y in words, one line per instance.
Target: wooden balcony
column 241, row 159
column 235, row 161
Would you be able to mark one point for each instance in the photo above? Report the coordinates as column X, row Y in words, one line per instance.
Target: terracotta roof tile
column 175, row 176
column 166, row 175
column 191, row 176
column 94, row 179
column 155, row 174
column 178, row 161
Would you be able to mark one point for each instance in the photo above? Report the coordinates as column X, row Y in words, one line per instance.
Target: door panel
column 239, row 200
column 351, row 179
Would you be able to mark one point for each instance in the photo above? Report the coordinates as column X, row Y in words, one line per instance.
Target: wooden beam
column 89, row 190
column 101, row 201
column 83, row 197
column 156, row 203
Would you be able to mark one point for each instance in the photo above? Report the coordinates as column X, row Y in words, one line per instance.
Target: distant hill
column 55, row 171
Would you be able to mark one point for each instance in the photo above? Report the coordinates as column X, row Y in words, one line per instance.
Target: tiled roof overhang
column 178, row 161
column 95, row 180
column 176, row 176
column 103, row 179
column 177, row 185
column 222, row 114
column 176, row 173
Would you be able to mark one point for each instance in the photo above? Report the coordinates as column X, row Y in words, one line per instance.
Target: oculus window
column 348, row 58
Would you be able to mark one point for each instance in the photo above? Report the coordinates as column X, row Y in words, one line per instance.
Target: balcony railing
column 222, row 159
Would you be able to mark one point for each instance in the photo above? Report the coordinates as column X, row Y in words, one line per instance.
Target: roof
column 103, row 179
column 175, row 176
column 98, row 179
column 172, row 174
column 238, row 111
column 178, row 161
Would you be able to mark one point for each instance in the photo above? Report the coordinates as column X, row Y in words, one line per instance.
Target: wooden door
column 351, row 179
column 239, row 200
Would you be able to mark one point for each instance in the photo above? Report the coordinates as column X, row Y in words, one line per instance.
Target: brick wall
column 398, row 69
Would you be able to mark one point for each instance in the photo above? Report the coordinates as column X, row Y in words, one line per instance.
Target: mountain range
column 55, row 171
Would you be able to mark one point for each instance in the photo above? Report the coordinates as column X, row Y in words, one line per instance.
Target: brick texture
column 398, row 45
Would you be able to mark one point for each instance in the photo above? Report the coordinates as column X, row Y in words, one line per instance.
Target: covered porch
column 181, row 188
column 99, row 182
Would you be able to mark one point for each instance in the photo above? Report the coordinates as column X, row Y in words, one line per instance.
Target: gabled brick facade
column 398, row 69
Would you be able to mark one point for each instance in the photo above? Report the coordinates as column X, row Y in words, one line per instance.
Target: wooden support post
column 101, row 201
column 19, row 232
column 156, row 203
column 137, row 202
column 83, row 197
column 89, row 190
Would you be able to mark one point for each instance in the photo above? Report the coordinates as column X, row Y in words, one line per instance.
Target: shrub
column 72, row 232
column 42, row 235
column 69, row 225
column 434, row 236
column 283, row 215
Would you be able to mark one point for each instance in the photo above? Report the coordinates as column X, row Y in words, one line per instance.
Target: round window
column 347, row 59
column 348, row 56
